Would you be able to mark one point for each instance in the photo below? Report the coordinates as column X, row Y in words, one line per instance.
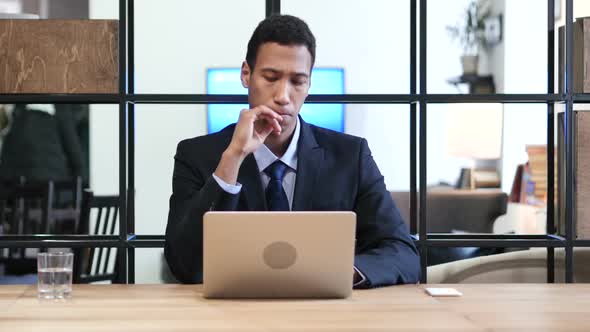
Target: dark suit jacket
column 335, row 172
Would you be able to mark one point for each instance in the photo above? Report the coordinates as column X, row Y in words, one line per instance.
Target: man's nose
column 281, row 95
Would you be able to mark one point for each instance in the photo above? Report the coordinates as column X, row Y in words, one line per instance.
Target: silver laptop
column 278, row 254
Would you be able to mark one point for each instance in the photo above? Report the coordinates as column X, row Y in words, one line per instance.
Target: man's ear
column 245, row 74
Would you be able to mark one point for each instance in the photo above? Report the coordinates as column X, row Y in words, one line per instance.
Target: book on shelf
column 535, row 177
column 516, row 190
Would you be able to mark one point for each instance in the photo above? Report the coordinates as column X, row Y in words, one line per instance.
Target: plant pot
column 469, row 63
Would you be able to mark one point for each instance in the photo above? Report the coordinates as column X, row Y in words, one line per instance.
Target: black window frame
column 418, row 99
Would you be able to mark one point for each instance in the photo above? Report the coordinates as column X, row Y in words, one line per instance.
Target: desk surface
column 513, row 307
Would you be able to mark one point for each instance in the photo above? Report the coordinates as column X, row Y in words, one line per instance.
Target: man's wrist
column 228, row 188
column 234, row 154
column 229, row 166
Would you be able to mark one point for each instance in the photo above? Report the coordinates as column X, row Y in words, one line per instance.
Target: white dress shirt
column 264, row 158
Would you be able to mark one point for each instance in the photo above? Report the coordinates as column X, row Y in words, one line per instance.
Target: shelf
column 493, row 98
column 36, row 98
column 147, row 241
column 312, row 99
column 352, row 98
column 477, row 83
column 581, row 97
column 59, row 241
column 581, row 243
column 492, row 240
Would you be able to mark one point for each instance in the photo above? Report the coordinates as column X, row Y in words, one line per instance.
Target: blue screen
column 324, row 81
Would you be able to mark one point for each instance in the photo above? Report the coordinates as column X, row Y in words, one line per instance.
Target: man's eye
column 270, row 78
column 299, row 82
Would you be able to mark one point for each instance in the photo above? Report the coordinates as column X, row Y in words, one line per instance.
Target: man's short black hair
column 282, row 29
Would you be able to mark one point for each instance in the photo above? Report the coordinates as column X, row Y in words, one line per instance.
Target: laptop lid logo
column 279, row 255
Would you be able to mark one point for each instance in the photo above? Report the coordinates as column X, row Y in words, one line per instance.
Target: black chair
column 66, row 203
column 93, row 264
column 40, row 207
column 25, row 208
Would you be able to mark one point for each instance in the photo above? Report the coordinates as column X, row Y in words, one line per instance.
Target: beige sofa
column 526, row 266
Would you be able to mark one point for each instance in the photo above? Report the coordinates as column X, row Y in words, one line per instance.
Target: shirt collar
column 264, row 157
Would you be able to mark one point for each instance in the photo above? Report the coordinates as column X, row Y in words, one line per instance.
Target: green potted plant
column 469, row 32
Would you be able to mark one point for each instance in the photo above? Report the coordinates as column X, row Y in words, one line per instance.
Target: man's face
column 280, row 80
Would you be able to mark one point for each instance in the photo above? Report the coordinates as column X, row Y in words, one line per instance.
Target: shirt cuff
column 229, row 188
column 363, row 278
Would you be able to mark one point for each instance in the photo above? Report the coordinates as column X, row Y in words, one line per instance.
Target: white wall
column 496, row 53
column 370, row 40
column 443, row 62
column 177, row 40
column 525, row 71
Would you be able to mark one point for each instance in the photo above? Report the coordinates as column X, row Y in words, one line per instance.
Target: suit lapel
column 309, row 159
column 249, row 177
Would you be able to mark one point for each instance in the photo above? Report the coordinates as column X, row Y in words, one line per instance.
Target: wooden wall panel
column 581, row 178
column 58, row 56
column 586, row 56
column 583, row 174
column 581, row 65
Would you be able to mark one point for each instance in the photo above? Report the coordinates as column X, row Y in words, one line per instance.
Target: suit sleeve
column 385, row 252
column 193, row 194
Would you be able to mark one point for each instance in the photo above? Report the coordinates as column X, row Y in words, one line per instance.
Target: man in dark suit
column 273, row 160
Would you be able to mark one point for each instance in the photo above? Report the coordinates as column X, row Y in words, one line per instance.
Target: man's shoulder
column 208, row 143
column 329, row 138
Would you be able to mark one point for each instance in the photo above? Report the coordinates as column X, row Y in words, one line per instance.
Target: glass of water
column 54, row 274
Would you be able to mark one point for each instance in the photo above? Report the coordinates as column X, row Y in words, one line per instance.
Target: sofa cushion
column 457, row 210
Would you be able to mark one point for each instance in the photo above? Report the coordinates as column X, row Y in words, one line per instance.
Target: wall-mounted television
column 324, row 81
